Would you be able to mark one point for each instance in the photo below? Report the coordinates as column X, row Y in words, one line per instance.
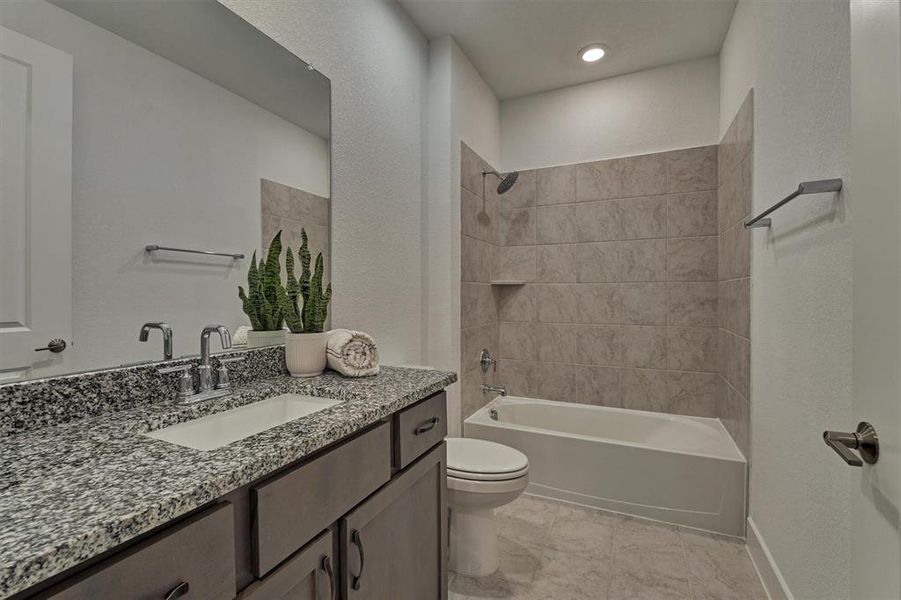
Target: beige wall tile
column 644, row 303
column 691, row 170
column 735, row 309
column 556, row 264
column 737, row 362
column 556, row 224
column 471, row 343
column 597, row 262
column 516, row 303
column 471, row 166
column 474, row 260
column 597, row 303
column 555, row 342
column 521, row 195
column 308, row 208
column 517, row 376
column 643, row 260
column 734, row 195
column 598, row 221
column 691, row 214
column 470, row 207
column 598, row 345
column 691, row 259
column 643, row 217
column 621, row 177
column 271, row 225
column 737, row 142
column 735, row 414
column 644, row 347
column 692, row 349
column 692, row 393
column 692, row 303
column 275, row 199
column 517, row 227
column 557, row 185
column 643, row 389
column 477, row 305
column 734, row 253
column 597, row 385
column 517, row 262
column 553, row 381
column 555, row 303
column 517, row 340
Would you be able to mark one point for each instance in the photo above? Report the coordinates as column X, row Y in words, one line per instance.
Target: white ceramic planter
column 257, row 339
column 305, row 353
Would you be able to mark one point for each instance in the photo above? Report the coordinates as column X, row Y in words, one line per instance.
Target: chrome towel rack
column 821, row 186
column 154, row 248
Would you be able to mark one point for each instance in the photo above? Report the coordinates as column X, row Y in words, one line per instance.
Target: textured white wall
column 461, row 107
column 675, row 106
column 162, row 156
column 800, row 283
column 377, row 62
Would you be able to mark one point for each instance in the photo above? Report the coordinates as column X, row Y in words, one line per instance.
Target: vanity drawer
column 418, row 428
column 310, row 574
column 197, row 555
column 290, row 509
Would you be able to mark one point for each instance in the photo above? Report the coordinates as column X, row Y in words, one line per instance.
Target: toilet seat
column 480, row 460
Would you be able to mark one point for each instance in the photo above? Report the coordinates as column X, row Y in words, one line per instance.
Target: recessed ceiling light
column 592, row 53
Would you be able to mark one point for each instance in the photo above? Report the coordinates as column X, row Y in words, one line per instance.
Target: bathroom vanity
column 347, row 502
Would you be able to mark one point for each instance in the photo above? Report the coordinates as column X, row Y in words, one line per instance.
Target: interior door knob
column 55, row 345
column 864, row 440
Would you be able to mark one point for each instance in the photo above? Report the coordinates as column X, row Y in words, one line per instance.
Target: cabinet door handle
column 427, row 426
column 327, row 567
column 178, row 591
column 355, row 538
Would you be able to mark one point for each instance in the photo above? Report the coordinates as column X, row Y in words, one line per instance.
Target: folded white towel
column 352, row 353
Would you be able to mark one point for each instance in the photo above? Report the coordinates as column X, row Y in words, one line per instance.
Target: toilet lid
column 472, row 458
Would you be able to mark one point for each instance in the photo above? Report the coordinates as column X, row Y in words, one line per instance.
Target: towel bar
column 154, row 248
column 805, row 187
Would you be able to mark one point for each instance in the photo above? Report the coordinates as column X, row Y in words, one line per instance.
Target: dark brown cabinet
column 365, row 519
column 393, row 545
column 310, row 574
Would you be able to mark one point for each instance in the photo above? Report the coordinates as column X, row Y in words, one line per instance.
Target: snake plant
column 261, row 301
column 302, row 301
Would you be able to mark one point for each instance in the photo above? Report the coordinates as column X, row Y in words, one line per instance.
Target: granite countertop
column 72, row 491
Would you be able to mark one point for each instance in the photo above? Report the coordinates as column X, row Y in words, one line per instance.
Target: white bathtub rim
column 482, row 417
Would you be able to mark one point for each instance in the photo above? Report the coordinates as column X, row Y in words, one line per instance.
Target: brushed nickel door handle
column 864, row 440
column 178, row 591
column 55, row 345
column 355, row 538
column 327, row 567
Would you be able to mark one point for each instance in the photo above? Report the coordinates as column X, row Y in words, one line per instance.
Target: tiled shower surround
column 291, row 209
column 625, row 262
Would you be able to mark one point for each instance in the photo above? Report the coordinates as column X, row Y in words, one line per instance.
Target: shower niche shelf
column 508, row 282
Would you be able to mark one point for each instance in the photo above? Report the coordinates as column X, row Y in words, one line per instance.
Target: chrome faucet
column 186, row 394
column 494, row 389
column 167, row 336
column 205, row 368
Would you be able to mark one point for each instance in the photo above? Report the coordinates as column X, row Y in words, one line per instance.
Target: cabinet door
column 394, row 545
column 307, row 575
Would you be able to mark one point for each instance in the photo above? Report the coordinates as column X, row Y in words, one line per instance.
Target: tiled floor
column 556, row 551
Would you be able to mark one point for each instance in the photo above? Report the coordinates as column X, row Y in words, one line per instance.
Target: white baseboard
column 773, row 582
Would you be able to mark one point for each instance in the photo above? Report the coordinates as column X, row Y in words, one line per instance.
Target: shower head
column 507, row 180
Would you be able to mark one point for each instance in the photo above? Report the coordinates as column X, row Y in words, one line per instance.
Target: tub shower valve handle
column 486, row 361
column 864, row 440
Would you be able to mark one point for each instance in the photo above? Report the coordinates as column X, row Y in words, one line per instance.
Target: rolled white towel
column 352, row 353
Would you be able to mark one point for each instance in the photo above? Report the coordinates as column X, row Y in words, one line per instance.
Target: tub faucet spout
column 494, row 389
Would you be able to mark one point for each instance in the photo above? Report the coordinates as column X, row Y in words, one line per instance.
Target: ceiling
column 526, row 46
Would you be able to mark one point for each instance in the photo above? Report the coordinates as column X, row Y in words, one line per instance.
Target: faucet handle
column 185, row 380
column 222, row 382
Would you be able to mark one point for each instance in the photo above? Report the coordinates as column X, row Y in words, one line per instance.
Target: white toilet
column 481, row 476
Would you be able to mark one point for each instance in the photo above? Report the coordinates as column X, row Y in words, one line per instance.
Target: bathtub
column 672, row 468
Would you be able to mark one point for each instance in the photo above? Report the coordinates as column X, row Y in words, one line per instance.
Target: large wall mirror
column 134, row 123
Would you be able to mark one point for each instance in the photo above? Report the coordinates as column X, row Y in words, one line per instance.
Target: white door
column 35, row 201
column 875, row 186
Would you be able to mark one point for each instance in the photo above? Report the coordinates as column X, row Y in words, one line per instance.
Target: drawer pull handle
column 327, row 567
column 178, row 591
column 355, row 538
column 427, row 426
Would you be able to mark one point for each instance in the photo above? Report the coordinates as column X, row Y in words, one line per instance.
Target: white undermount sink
column 221, row 429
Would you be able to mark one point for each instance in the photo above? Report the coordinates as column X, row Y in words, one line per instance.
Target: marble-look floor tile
column 575, row 532
column 720, row 569
column 566, row 576
column 527, row 519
